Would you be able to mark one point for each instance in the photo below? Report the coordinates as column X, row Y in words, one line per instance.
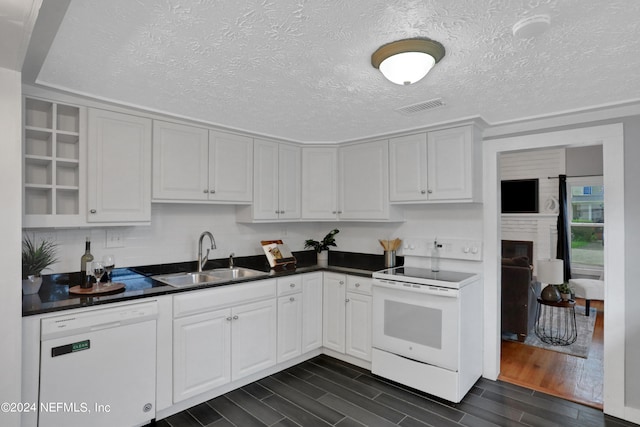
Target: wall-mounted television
column 520, row 196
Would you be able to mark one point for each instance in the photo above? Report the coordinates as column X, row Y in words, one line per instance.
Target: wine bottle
column 84, row 260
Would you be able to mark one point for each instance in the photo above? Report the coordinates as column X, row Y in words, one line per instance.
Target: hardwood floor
column 569, row 377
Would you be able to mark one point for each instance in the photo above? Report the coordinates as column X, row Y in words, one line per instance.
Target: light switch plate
column 114, row 239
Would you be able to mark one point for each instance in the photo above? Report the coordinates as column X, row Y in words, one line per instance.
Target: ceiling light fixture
column 405, row 62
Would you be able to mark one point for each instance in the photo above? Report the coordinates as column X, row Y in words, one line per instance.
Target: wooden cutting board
column 104, row 289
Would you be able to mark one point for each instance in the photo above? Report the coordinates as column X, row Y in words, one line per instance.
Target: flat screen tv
column 520, row 196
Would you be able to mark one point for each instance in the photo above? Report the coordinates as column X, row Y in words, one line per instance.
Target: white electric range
column 427, row 325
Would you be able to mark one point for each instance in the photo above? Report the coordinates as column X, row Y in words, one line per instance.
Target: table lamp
column 551, row 272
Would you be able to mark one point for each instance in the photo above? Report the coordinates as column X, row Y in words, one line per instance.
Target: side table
column 556, row 322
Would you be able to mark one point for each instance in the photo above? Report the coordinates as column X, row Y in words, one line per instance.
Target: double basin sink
column 208, row 277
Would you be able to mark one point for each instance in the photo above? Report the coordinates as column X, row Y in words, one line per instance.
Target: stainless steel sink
column 218, row 275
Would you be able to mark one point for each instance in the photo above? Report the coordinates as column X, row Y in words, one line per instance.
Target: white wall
column 175, row 228
column 10, row 213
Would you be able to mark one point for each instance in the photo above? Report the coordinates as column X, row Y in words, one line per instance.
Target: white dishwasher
column 98, row 367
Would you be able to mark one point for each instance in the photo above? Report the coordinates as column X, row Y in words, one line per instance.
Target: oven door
column 416, row 321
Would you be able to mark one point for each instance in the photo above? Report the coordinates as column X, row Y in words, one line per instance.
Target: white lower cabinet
column 347, row 315
column 212, row 347
column 299, row 315
column 311, row 311
column 290, row 324
column 201, row 353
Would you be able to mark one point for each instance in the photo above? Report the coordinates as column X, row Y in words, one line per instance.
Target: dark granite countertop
column 54, row 293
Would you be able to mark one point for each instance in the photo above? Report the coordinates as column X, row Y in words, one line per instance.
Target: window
column 586, row 215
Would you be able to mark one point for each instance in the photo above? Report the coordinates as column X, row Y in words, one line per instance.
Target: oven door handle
column 421, row 289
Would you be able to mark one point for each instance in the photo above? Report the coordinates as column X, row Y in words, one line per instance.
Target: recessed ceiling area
column 301, row 70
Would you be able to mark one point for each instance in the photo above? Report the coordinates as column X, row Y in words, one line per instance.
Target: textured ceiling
column 300, row 70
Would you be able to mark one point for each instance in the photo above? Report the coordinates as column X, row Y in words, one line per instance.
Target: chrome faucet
column 231, row 255
column 203, row 260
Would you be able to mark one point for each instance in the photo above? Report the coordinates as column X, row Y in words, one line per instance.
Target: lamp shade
column 551, row 271
column 405, row 62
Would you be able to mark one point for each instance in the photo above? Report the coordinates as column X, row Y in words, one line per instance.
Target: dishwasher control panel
column 60, row 326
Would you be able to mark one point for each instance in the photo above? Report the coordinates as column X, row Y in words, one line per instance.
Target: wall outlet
column 114, row 239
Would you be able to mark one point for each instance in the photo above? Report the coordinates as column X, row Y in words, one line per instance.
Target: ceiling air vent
column 410, row 110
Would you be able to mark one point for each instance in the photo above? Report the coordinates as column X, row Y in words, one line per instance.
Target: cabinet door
column 201, row 353
column 253, row 340
column 364, row 173
column 289, row 177
column 180, row 162
column 333, row 311
column 230, row 167
column 358, row 327
column 265, row 180
column 408, row 168
column 311, row 311
column 319, row 183
column 119, row 174
column 450, row 162
column 289, row 326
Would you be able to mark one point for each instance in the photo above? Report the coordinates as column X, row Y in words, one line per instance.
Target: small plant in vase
column 35, row 259
column 322, row 247
column 565, row 291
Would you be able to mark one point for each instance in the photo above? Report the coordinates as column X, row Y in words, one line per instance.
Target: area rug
column 580, row 348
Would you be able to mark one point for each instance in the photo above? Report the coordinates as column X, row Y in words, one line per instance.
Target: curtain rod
column 573, row 176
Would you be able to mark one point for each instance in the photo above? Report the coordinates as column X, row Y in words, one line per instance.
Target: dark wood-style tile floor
column 327, row 392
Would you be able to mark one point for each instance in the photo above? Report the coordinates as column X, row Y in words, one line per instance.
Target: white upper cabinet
column 119, row 168
column 54, row 155
column 438, row 166
column 347, row 183
column 276, row 183
column 364, row 189
column 319, row 183
column 180, row 162
column 408, row 168
column 199, row 165
column 230, row 167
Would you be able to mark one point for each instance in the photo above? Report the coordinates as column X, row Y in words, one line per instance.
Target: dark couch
column 518, row 298
column 519, row 290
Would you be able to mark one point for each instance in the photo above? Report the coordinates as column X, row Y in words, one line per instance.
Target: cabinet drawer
column 361, row 285
column 289, row 285
column 223, row 296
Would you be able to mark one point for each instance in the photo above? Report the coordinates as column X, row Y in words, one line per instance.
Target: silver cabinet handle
column 292, row 285
column 212, row 191
column 235, row 317
column 422, row 191
column 281, row 212
column 341, row 282
column 205, row 191
column 292, row 299
column 93, row 211
column 429, row 191
column 334, row 212
column 357, row 285
column 229, row 319
column 347, row 300
column 277, row 212
column 339, row 212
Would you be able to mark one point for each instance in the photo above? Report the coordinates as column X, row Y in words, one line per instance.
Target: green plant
column 36, row 258
column 329, row 240
column 564, row 288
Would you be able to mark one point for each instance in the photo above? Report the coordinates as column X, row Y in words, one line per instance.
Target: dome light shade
column 405, row 62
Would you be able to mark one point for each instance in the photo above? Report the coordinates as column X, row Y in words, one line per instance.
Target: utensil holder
column 389, row 259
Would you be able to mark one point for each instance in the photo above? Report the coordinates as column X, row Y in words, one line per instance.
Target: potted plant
column 321, row 246
column 565, row 291
column 35, row 258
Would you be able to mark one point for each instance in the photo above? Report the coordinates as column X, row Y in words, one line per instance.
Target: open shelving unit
column 53, row 163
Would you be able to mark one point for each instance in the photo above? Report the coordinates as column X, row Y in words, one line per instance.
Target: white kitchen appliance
column 98, row 368
column 427, row 326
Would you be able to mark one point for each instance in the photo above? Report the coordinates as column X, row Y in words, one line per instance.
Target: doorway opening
column 525, row 360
